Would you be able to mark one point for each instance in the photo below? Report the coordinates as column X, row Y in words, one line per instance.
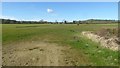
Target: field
column 61, row 44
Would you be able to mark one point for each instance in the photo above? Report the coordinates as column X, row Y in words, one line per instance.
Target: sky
column 60, row 0
column 51, row 11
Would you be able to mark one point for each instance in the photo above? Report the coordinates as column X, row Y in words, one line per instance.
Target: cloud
column 13, row 18
column 30, row 20
column 8, row 17
column 50, row 10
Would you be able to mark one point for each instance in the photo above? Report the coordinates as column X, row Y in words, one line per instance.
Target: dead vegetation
column 107, row 32
column 106, row 37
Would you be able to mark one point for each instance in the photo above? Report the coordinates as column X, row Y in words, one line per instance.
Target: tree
column 65, row 22
column 56, row 21
column 74, row 22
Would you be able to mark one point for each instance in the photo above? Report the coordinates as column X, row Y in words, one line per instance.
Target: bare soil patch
column 107, row 32
column 41, row 54
column 106, row 37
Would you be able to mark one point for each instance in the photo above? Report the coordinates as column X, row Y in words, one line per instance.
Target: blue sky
column 59, row 0
column 52, row 11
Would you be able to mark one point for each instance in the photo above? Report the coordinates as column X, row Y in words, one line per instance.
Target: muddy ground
column 37, row 53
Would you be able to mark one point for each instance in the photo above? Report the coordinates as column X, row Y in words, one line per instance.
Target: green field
column 63, row 34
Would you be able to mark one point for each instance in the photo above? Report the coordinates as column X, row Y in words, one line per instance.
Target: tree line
column 90, row 21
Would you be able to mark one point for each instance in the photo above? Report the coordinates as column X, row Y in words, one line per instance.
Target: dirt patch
column 107, row 32
column 109, row 42
column 41, row 54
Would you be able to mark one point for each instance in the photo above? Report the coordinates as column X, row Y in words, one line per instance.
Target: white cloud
column 13, row 18
column 30, row 20
column 8, row 17
column 50, row 10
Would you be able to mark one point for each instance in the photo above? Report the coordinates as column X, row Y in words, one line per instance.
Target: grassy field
column 63, row 34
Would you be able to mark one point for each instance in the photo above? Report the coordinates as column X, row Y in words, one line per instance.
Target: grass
column 98, row 55
column 63, row 34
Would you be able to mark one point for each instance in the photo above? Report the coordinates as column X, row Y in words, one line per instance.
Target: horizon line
column 63, row 20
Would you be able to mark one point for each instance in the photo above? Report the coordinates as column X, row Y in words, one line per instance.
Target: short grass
column 98, row 55
column 63, row 34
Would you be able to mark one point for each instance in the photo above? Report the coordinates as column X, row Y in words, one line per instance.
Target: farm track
column 41, row 54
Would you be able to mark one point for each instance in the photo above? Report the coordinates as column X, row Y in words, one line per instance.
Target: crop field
column 54, row 45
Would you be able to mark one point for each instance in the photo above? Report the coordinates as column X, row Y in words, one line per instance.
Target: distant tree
column 74, row 22
column 56, row 21
column 78, row 23
column 65, row 22
column 41, row 21
column 95, row 21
